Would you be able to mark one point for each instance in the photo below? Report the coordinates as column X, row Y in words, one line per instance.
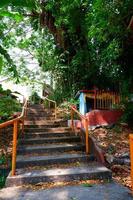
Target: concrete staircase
column 50, row 152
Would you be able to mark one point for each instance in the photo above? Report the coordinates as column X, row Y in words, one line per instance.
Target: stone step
column 47, row 129
column 38, row 123
column 33, row 118
column 38, row 115
column 22, row 150
column 35, row 105
column 49, row 140
column 29, row 161
column 39, row 110
column 45, row 125
column 44, row 134
column 90, row 171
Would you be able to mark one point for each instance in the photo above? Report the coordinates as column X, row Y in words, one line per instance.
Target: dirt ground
column 115, row 144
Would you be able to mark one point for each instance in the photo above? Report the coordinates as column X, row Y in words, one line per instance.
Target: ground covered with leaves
column 115, row 145
column 5, row 152
column 114, row 142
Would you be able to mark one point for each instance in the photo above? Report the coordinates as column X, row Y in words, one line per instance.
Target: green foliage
column 95, row 43
column 67, row 103
column 88, row 44
column 128, row 113
column 87, row 185
column 16, row 16
column 35, row 98
column 2, row 160
column 2, row 180
column 23, row 3
column 8, row 106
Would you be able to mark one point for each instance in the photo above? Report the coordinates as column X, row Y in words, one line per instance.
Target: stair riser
column 32, row 116
column 49, row 114
column 50, row 140
column 40, row 111
column 51, row 162
column 43, row 135
column 42, row 126
column 41, row 151
column 45, row 129
column 33, row 110
column 60, row 178
column 33, row 119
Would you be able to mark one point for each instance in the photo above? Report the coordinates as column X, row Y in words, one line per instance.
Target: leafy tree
column 78, row 43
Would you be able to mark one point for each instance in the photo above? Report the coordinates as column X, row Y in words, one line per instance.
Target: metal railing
column 103, row 99
column 15, row 122
column 131, row 157
column 74, row 110
column 106, row 100
column 51, row 101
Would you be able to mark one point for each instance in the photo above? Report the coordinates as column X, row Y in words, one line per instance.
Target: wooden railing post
column 131, row 157
column 87, row 136
column 95, row 99
column 72, row 119
column 23, row 127
column 14, row 151
column 55, row 110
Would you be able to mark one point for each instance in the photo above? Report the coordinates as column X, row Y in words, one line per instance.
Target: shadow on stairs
column 50, row 152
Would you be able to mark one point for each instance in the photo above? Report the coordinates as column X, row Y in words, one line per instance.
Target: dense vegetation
column 78, row 43
column 8, row 105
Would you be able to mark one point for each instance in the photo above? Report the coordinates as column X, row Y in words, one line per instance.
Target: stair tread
column 52, row 138
column 51, row 146
column 58, row 156
column 52, row 129
column 47, row 144
column 35, row 133
column 94, row 167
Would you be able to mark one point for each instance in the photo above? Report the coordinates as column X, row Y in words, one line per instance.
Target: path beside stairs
column 51, row 152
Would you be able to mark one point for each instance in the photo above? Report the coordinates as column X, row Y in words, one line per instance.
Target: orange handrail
column 15, row 122
column 131, row 157
column 74, row 110
column 55, row 104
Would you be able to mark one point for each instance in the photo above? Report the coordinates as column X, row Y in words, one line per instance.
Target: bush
column 34, row 98
column 128, row 113
column 8, row 106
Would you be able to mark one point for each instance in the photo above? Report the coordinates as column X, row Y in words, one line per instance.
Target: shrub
column 128, row 113
column 35, row 99
column 8, row 106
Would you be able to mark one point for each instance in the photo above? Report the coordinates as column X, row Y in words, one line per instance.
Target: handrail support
column 85, row 126
column 14, row 151
column 131, row 157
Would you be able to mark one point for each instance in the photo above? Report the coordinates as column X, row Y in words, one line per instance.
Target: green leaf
column 87, row 185
column 4, row 3
column 16, row 16
column 21, row 3
column 1, row 63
